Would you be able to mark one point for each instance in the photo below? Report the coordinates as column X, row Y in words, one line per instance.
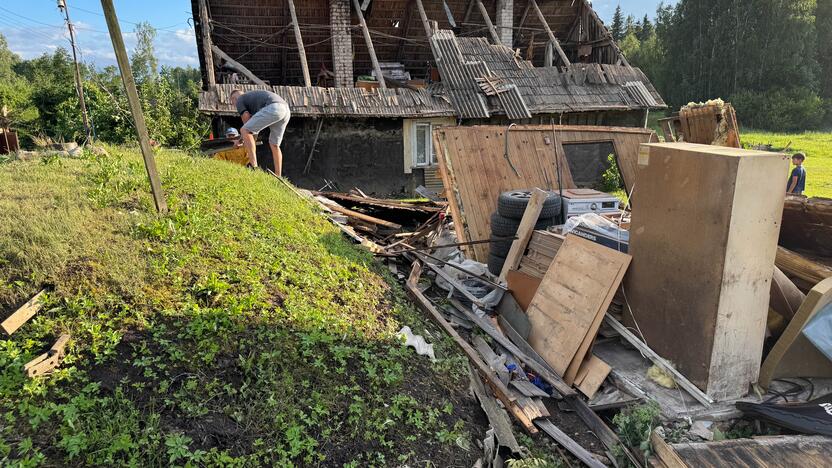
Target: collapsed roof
column 476, row 73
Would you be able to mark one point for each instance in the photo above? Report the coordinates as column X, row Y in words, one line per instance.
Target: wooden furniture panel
column 703, row 240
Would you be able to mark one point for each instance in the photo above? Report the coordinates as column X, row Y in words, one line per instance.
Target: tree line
column 41, row 103
column 772, row 59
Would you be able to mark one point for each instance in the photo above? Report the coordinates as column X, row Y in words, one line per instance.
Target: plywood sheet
column 575, row 292
column 475, row 169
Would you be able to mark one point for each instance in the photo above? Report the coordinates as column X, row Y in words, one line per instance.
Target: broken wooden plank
column 665, row 452
column 543, row 371
column 48, row 361
column 568, row 443
column 497, row 416
column 591, row 375
column 492, row 359
column 363, row 217
column 455, row 284
column 659, row 361
column 525, row 231
column 24, row 313
column 529, row 389
column 794, row 264
column 501, row 391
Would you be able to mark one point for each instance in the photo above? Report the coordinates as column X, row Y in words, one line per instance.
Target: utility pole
column 79, row 85
column 135, row 104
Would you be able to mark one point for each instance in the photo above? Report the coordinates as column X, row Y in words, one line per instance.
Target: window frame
column 430, row 155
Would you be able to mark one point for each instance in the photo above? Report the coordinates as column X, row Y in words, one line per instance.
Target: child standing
column 797, row 181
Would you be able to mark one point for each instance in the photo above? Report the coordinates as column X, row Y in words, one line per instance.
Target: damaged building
column 367, row 81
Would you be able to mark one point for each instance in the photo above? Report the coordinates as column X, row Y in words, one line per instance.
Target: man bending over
column 260, row 109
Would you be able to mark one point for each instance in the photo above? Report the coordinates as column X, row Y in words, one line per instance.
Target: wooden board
column 523, row 287
column 524, row 232
column 572, row 299
column 807, row 225
column 794, row 355
column 23, row 314
column 475, row 170
column 760, row 452
column 591, row 375
column 703, row 239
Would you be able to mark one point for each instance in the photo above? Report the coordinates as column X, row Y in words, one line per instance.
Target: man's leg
column 250, row 145
column 276, row 137
column 277, row 157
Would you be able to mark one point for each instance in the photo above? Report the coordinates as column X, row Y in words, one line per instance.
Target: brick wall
column 339, row 21
column 504, row 21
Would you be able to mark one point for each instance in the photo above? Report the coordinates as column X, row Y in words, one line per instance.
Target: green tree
column 823, row 18
column 617, row 27
column 646, row 29
column 16, row 108
column 52, row 81
column 143, row 60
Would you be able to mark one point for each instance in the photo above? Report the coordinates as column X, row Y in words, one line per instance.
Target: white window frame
column 430, row 160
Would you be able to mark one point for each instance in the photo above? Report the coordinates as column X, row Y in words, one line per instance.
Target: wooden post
column 491, row 30
column 369, row 42
column 205, row 33
column 622, row 60
column 424, row 16
column 552, row 37
column 307, row 81
column 237, row 66
column 524, row 232
column 135, row 104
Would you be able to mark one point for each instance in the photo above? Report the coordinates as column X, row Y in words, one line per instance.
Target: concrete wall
column 504, row 22
column 363, row 153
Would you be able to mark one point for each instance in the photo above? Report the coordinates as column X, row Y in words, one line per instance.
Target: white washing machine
column 579, row 201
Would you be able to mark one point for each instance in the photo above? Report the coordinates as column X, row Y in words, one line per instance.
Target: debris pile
column 668, row 302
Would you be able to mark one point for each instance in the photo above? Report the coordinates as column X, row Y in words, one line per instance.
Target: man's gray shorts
column 275, row 116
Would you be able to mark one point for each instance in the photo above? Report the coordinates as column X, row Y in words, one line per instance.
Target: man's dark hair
column 799, row 156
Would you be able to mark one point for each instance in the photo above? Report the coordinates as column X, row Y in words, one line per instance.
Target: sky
column 33, row 27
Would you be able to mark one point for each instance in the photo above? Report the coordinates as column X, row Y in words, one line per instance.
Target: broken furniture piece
column 794, row 355
column 710, row 123
column 703, row 240
column 48, row 361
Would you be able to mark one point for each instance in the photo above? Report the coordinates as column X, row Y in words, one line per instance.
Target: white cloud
column 173, row 48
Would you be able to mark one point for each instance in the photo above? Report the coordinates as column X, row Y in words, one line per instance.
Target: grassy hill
column 239, row 329
column 818, row 149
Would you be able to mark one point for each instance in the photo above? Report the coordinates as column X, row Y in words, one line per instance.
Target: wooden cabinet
column 703, row 240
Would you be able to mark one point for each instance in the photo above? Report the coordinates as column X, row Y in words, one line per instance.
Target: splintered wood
column 47, row 362
column 571, row 301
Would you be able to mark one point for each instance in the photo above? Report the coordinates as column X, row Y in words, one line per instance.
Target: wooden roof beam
column 307, row 81
column 552, row 37
column 237, row 66
column 370, row 48
column 425, row 21
column 205, row 34
column 493, row 32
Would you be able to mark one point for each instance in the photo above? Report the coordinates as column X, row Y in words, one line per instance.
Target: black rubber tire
column 503, row 227
column 500, row 248
column 512, row 204
column 495, row 264
column 507, row 227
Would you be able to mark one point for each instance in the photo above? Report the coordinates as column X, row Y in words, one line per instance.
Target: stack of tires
column 506, row 220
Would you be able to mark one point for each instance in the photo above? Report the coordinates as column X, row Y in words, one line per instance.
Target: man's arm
column 792, row 184
column 245, row 116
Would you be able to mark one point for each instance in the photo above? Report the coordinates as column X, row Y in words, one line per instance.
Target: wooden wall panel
column 474, row 168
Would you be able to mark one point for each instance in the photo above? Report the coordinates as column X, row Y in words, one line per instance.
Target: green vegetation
column 818, row 149
column 768, row 57
column 239, row 329
column 635, row 424
column 41, row 99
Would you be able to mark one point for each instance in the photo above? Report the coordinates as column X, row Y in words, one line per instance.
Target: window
column 423, row 146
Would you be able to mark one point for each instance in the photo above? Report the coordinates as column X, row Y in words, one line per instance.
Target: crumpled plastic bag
column 417, row 342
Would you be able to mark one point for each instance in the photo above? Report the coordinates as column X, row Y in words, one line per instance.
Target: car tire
column 495, row 264
column 512, row 204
